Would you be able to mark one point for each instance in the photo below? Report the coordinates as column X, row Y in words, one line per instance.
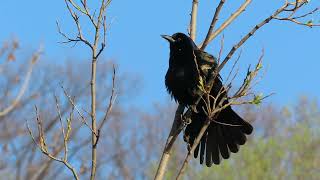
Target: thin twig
column 213, row 23
column 246, row 37
column 307, row 14
column 228, row 21
column 233, row 66
column 62, row 129
column 84, row 121
column 112, row 99
column 43, row 146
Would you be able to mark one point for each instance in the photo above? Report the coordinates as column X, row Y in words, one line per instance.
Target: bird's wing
column 205, row 62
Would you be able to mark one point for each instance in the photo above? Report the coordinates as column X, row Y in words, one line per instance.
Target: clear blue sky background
column 291, row 52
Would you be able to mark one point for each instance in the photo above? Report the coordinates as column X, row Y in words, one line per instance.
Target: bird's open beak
column 168, row 38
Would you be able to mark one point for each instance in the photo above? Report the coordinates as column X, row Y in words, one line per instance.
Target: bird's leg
column 185, row 121
column 186, row 139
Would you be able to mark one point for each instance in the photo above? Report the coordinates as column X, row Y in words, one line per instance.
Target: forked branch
column 42, row 144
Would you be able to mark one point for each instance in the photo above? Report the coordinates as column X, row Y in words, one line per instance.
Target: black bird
column 228, row 130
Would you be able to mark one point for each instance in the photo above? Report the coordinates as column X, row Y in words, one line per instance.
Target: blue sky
column 291, row 51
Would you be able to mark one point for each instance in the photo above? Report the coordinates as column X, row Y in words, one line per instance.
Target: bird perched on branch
column 188, row 69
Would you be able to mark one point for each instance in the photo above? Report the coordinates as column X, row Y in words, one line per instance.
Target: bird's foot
column 186, row 121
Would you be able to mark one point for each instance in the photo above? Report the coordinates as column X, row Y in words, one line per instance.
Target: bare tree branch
column 193, row 21
column 174, row 132
column 24, row 86
column 213, row 23
column 111, row 102
column 99, row 24
column 228, row 21
column 95, row 54
column 83, row 119
column 42, row 145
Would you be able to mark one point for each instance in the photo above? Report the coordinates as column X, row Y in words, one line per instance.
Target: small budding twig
column 43, row 147
column 297, row 5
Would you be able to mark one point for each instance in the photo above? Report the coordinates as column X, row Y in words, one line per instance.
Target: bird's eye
column 179, row 39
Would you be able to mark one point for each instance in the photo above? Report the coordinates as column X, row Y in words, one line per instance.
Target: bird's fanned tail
column 223, row 136
column 188, row 67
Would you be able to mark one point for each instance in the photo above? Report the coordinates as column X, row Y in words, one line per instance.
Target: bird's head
column 180, row 43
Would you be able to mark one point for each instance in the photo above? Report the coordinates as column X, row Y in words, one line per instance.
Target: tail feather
column 209, row 151
column 213, row 140
column 202, row 150
column 238, row 136
column 220, row 138
column 232, row 145
column 196, row 151
column 222, row 143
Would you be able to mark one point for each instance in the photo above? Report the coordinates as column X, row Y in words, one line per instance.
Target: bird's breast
column 180, row 84
column 179, row 73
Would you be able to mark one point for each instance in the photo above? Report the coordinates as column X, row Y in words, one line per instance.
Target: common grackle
column 183, row 78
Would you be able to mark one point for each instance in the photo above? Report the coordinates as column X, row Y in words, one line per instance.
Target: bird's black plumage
column 187, row 65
